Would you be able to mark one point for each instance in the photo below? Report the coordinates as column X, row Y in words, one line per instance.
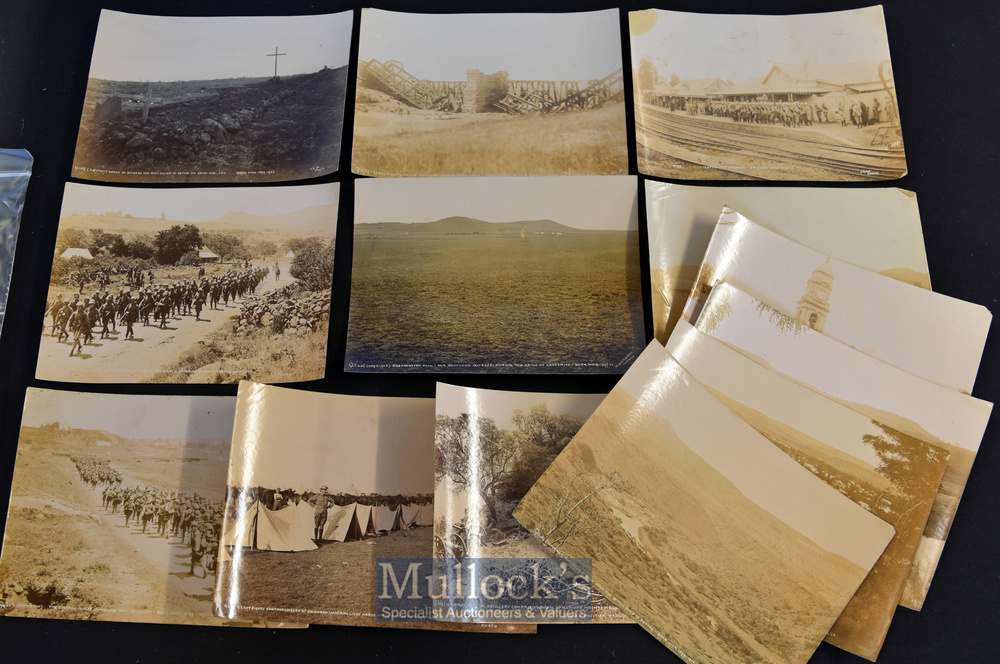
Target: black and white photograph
column 746, row 97
column 495, row 275
column 116, row 507
column 489, row 94
column 214, row 99
column 202, row 285
column 320, row 486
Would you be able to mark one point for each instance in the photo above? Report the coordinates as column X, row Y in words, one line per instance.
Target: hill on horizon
column 317, row 220
column 466, row 225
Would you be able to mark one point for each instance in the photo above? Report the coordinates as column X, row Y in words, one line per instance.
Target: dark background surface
column 944, row 58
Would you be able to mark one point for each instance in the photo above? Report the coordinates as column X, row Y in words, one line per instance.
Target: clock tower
column 814, row 305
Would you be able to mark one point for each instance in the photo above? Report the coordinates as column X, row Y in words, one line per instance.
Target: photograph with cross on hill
column 489, row 94
column 190, row 285
column 744, row 97
column 214, row 99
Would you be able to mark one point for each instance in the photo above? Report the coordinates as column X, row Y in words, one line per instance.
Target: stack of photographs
column 779, row 468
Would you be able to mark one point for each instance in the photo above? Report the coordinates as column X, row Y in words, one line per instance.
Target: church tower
column 814, row 305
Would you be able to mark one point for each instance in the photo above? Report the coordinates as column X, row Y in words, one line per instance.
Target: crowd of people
column 843, row 110
column 75, row 320
column 194, row 519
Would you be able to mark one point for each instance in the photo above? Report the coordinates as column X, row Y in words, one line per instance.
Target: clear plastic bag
column 15, row 169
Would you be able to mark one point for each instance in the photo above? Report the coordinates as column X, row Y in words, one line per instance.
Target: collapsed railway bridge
column 489, row 93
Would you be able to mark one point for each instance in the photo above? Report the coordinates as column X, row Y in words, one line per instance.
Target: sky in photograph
column 303, row 440
column 545, row 47
column 755, row 466
column 194, row 205
column 135, row 47
column 133, row 416
column 586, row 202
column 745, row 46
column 500, row 405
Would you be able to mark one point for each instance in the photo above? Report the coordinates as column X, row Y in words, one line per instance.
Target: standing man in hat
column 321, row 503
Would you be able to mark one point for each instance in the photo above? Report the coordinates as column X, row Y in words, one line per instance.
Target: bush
column 313, row 264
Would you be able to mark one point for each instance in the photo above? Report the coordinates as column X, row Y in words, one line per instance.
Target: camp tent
column 366, row 523
column 408, row 515
column 386, row 518
column 425, row 517
column 269, row 530
column 342, row 524
column 290, row 254
column 74, row 252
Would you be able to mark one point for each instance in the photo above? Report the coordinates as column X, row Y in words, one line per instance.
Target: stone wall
column 482, row 90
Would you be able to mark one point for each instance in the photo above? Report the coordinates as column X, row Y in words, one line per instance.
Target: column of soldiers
column 78, row 318
column 195, row 519
column 841, row 110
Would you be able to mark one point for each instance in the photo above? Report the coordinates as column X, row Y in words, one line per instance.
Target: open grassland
column 711, row 574
column 577, row 143
column 334, row 584
column 545, row 303
column 64, row 556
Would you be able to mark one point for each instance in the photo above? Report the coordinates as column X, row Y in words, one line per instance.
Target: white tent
column 386, row 518
column 74, row 252
column 290, row 254
column 408, row 515
column 426, row 515
column 268, row 530
column 342, row 524
column 366, row 523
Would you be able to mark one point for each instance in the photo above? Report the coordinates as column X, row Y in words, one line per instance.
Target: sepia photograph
column 320, row 486
column 717, row 542
column 893, row 475
column 214, row 99
column 116, row 508
column 878, row 229
column 945, row 417
column 750, row 97
column 495, row 275
column 489, row 94
column 202, row 285
column 490, row 447
column 929, row 334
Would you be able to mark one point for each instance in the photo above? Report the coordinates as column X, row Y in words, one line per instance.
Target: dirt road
column 119, row 360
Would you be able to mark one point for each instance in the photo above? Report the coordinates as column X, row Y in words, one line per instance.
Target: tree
column 263, row 249
column 174, row 242
column 139, row 249
column 647, row 76
column 101, row 242
column 540, row 436
column 474, row 454
column 898, row 461
column 296, row 244
column 226, row 245
column 313, row 264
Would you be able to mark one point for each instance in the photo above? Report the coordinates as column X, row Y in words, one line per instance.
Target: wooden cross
column 148, row 98
column 275, row 55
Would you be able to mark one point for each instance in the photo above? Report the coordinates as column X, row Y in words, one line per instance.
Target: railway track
column 663, row 132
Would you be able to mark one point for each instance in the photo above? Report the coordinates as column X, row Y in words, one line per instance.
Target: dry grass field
column 72, row 559
column 428, row 143
column 712, row 575
column 555, row 304
column 903, row 502
column 334, row 584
